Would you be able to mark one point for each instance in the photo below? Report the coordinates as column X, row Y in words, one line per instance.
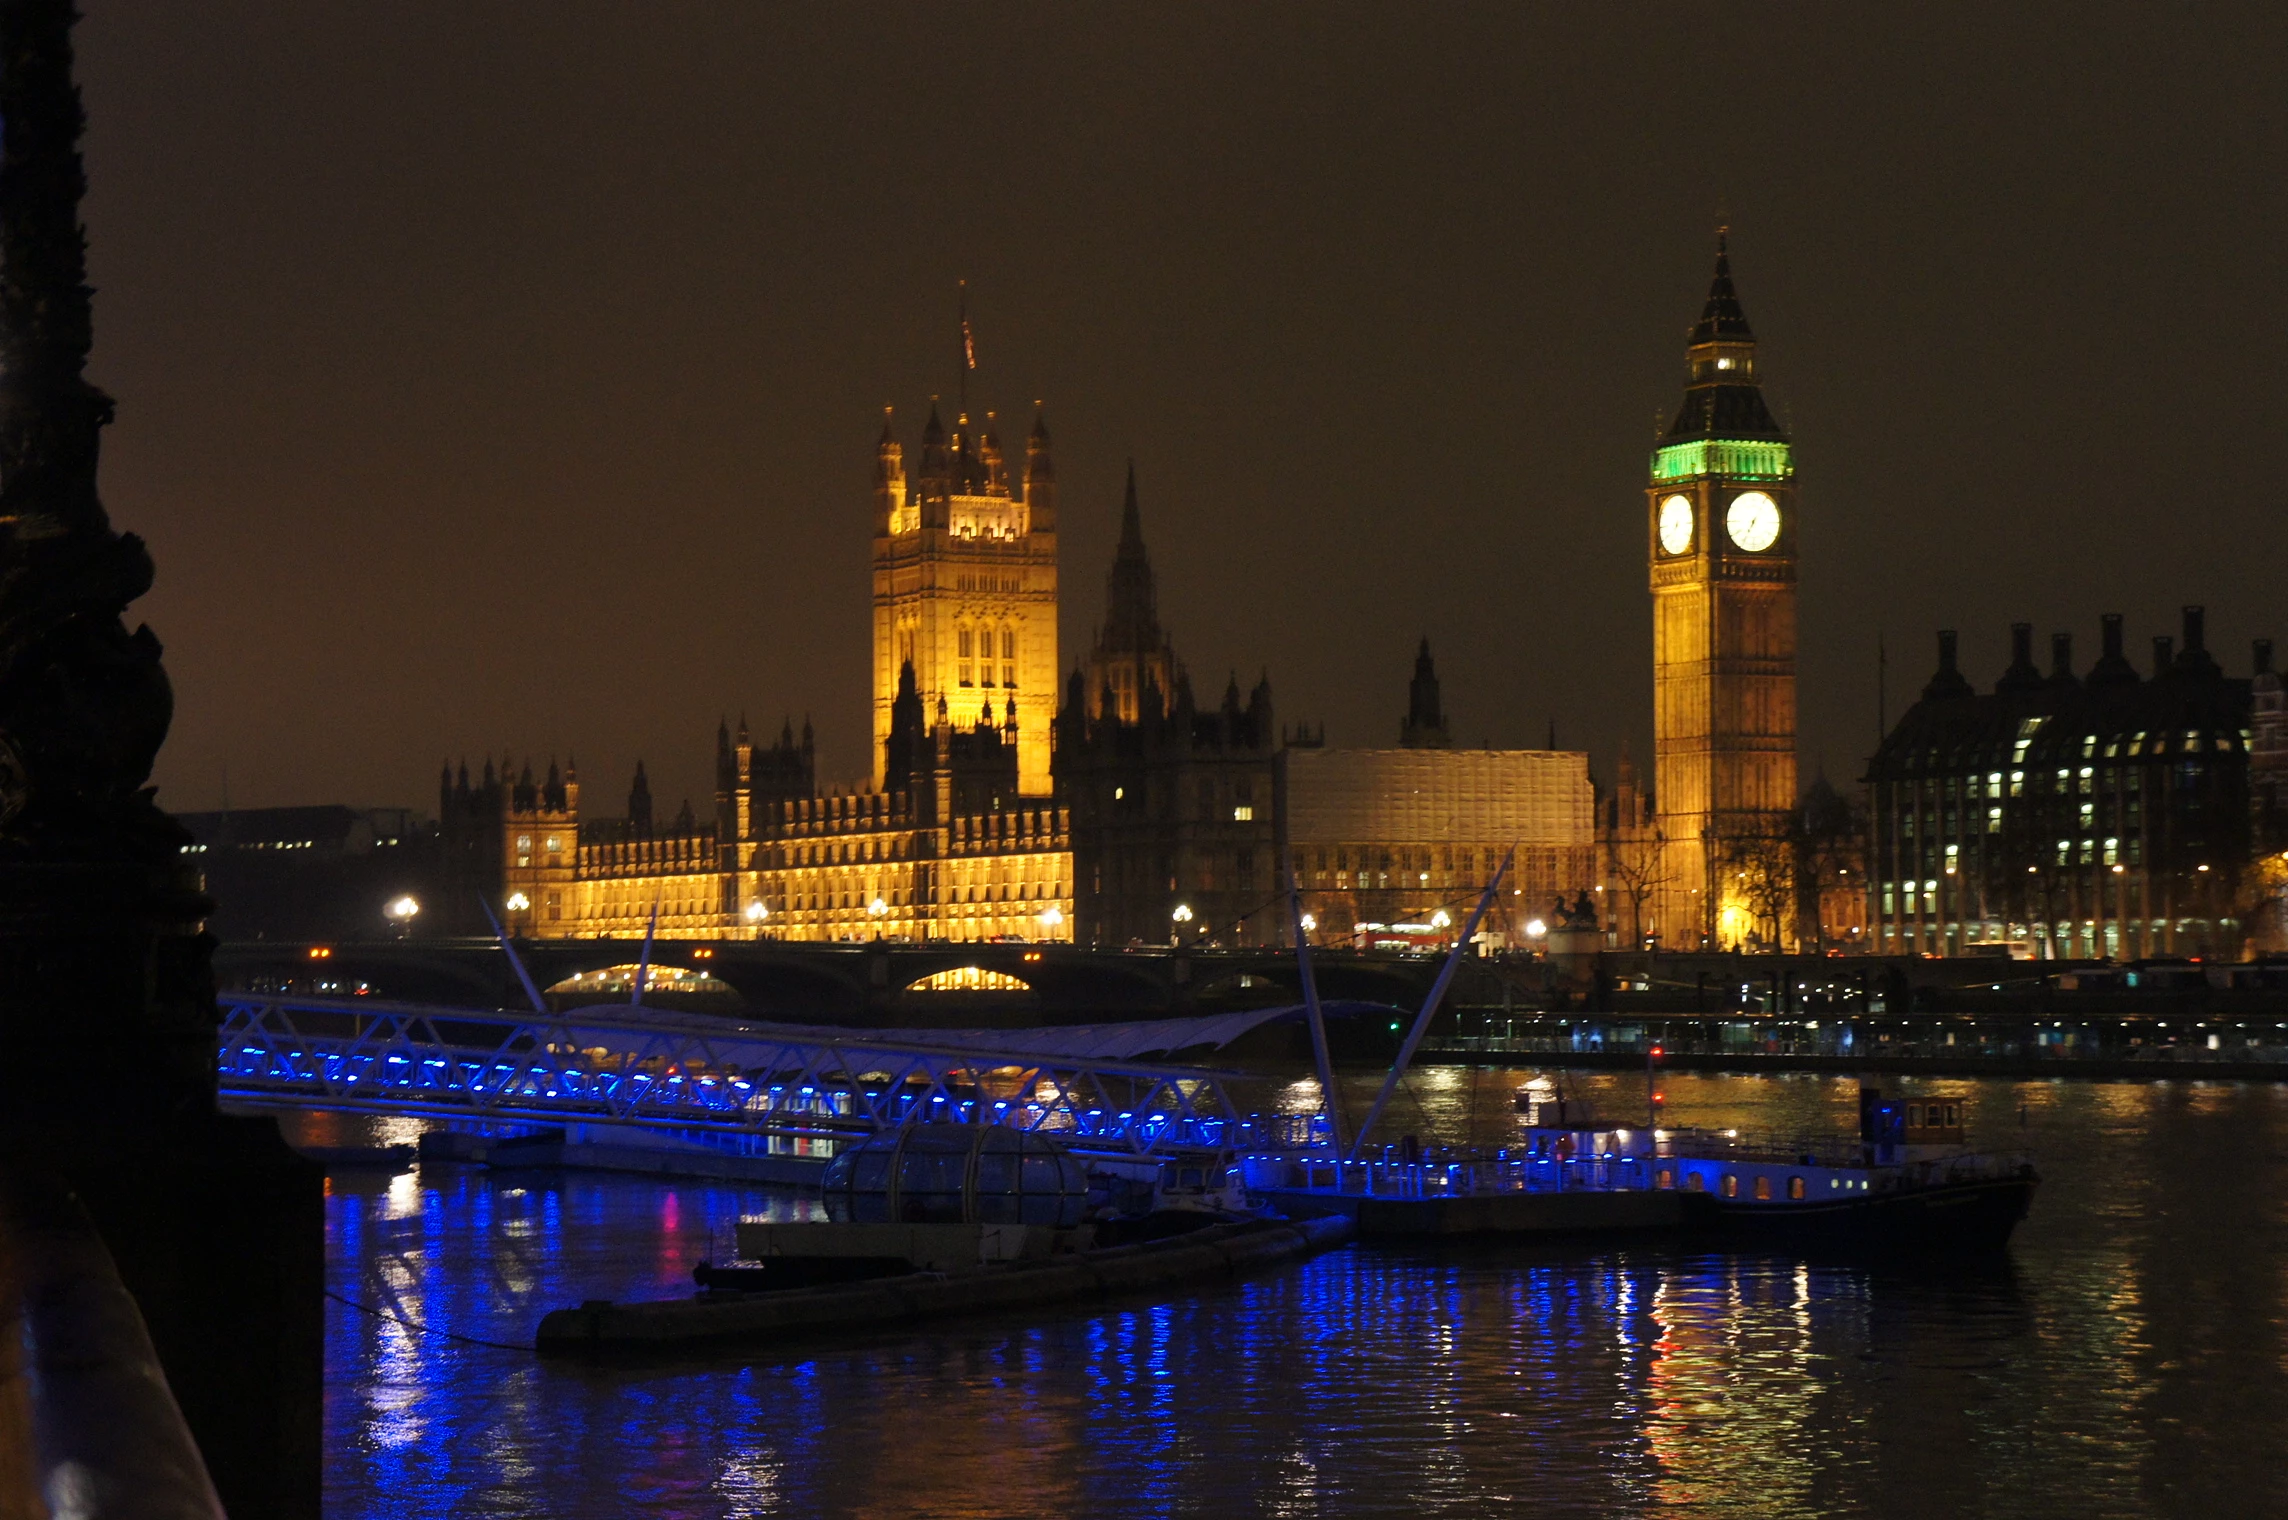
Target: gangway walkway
column 621, row 1064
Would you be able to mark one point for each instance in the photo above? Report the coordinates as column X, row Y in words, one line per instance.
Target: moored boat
column 1908, row 1181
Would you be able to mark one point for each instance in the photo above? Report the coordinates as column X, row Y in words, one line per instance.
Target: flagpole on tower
column 968, row 349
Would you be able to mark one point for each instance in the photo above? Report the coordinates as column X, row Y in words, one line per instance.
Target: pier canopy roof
column 1129, row 1040
column 1122, row 1041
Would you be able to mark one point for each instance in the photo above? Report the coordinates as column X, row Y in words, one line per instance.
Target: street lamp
column 1441, row 919
column 1183, row 914
column 1052, row 917
column 402, row 912
column 1310, row 923
column 756, row 912
column 1535, row 928
column 877, row 907
column 517, row 902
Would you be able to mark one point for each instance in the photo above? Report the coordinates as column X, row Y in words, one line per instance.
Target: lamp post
column 401, row 912
column 1180, row 917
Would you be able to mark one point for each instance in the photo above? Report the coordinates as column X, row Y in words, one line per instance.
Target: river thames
column 2128, row 1357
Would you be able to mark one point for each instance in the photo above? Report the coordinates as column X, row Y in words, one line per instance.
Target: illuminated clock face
column 1753, row 520
column 1675, row 525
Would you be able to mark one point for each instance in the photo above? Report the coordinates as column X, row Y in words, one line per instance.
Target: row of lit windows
column 903, row 897
column 2116, row 853
column 2065, row 938
column 974, row 649
column 896, row 847
column 1027, row 825
column 2142, row 742
column 2088, row 779
column 844, row 852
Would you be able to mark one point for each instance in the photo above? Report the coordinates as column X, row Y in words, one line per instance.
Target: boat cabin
column 956, row 1174
column 1188, row 1179
column 1933, row 1121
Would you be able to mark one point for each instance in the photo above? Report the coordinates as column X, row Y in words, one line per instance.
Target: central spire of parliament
column 1133, row 664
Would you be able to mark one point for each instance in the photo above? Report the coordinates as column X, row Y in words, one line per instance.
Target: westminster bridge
column 879, row 983
column 1013, row 984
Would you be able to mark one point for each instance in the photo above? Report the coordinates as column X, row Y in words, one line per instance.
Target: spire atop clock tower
column 1722, row 318
column 1723, row 397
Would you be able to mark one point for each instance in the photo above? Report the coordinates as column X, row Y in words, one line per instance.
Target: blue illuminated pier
column 627, row 1065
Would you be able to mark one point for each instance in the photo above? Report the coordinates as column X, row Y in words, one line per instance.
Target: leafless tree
column 1640, row 870
column 1762, row 863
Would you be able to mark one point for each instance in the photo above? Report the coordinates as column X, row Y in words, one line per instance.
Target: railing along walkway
column 693, row 1076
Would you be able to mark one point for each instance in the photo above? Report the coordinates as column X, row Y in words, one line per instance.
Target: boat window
column 1666, row 1179
column 1764, row 1188
column 1731, row 1185
column 1695, row 1183
column 1795, row 1187
column 1190, row 1177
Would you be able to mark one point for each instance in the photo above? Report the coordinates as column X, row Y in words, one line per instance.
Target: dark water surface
column 2129, row 1357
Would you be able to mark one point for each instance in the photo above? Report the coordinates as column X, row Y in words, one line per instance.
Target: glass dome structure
column 956, row 1174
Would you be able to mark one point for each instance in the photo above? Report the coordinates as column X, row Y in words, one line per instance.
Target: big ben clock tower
column 1721, row 519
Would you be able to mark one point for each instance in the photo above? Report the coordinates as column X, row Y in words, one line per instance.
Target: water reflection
column 2130, row 1356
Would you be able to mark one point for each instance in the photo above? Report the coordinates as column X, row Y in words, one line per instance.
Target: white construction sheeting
column 1439, row 796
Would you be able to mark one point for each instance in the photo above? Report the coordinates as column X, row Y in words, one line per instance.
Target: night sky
column 506, row 376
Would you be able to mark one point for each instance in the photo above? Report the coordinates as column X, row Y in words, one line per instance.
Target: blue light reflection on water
column 2130, row 1359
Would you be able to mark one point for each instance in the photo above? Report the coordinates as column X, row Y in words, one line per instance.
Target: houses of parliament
column 1121, row 808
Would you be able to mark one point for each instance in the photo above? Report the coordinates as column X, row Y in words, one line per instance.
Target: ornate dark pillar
column 107, row 1017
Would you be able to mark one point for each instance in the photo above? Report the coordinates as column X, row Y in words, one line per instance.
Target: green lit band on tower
column 1740, row 459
